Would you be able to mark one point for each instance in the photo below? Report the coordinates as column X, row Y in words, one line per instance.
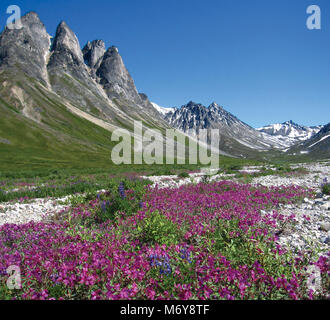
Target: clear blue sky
column 254, row 57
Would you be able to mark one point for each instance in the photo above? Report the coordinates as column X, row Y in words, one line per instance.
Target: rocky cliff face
column 101, row 75
column 70, row 77
column 26, row 49
column 107, row 67
column 114, row 77
column 93, row 55
column 66, row 54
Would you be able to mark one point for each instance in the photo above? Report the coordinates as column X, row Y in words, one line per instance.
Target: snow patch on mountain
column 162, row 110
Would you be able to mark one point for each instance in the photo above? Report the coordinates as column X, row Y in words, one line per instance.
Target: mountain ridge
column 62, row 69
column 42, row 80
column 279, row 136
column 47, row 90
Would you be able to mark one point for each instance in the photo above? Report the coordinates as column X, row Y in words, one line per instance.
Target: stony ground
column 310, row 230
column 34, row 210
column 312, row 227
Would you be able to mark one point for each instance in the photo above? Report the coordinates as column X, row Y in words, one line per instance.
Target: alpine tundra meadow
column 107, row 195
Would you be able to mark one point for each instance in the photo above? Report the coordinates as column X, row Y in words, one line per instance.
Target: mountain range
column 59, row 102
column 192, row 117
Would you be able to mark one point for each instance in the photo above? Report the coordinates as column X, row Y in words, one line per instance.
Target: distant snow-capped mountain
column 237, row 138
column 235, row 134
column 289, row 133
column 163, row 111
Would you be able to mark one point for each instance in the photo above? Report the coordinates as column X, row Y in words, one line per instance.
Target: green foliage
column 156, row 228
column 5, row 293
column 235, row 167
column 57, row 291
column 240, row 249
column 49, row 191
column 182, row 272
column 326, row 189
column 84, row 233
column 113, row 202
column 183, row 175
column 163, row 172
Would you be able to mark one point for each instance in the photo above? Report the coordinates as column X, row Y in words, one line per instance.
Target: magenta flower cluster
column 57, row 264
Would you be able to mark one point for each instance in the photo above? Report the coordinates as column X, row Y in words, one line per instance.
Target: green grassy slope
column 59, row 139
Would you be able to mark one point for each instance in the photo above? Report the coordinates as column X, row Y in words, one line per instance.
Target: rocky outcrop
column 66, row 55
column 115, row 79
column 26, row 50
column 70, row 77
column 93, row 55
column 93, row 80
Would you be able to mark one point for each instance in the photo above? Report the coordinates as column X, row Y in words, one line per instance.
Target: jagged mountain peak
column 214, row 105
column 192, row 104
column 115, row 78
column 236, row 135
column 26, row 48
column 31, row 16
column 318, row 145
column 93, row 54
column 113, row 50
column 69, row 75
column 66, row 40
column 290, row 122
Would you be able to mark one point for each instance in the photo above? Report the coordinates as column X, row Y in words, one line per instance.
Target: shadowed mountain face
column 115, row 78
column 318, row 146
column 93, row 55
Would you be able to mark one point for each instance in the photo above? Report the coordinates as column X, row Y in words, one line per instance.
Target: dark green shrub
column 183, row 175
column 326, row 189
column 156, row 228
column 235, row 167
column 122, row 197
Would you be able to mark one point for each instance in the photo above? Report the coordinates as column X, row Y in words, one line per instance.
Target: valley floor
column 310, row 230
column 301, row 226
